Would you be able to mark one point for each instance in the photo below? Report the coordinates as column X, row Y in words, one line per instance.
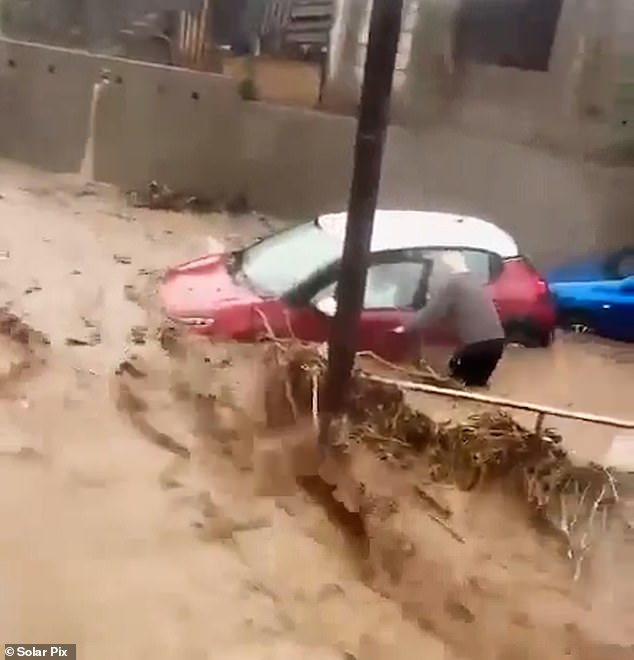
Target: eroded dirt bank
column 111, row 542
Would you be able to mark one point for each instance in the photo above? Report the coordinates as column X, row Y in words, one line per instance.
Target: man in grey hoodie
column 461, row 301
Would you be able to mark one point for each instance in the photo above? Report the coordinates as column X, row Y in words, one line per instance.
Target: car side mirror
column 327, row 306
column 628, row 284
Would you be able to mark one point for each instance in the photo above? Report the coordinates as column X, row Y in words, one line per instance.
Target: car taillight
column 543, row 292
column 541, row 285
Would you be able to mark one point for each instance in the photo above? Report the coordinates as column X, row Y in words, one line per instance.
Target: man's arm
column 436, row 309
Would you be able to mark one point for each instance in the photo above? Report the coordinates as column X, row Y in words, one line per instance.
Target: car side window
column 625, row 267
column 391, row 286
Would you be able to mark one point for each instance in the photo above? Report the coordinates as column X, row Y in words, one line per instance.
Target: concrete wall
column 569, row 105
column 192, row 131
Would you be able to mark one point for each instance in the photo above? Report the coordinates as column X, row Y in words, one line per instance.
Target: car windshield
column 280, row 262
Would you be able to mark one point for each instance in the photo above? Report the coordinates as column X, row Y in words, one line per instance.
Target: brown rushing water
column 93, row 551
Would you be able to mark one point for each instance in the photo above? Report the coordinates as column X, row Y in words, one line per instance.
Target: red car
column 288, row 281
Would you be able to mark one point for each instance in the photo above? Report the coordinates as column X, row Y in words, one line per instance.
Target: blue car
column 612, row 266
column 597, row 295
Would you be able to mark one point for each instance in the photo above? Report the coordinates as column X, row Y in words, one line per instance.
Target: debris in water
column 17, row 330
column 441, row 510
column 122, row 216
column 130, row 293
column 92, row 340
column 222, row 363
column 32, row 289
column 158, row 196
column 128, row 367
column 138, row 334
column 459, row 611
column 23, row 452
column 446, row 527
column 73, row 341
column 135, row 407
column 88, row 323
column 122, row 259
column 168, row 336
column 87, row 190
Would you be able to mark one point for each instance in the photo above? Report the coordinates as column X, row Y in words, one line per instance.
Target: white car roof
column 395, row 230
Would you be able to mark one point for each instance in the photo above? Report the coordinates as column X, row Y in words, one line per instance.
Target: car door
column 306, row 322
column 394, row 292
column 395, row 288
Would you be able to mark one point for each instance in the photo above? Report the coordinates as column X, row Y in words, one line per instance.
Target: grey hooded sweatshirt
column 462, row 302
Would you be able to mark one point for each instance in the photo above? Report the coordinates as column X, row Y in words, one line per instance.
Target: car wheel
column 528, row 336
column 545, row 339
column 577, row 322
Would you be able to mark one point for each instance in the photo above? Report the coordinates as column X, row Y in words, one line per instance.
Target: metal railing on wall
column 193, row 38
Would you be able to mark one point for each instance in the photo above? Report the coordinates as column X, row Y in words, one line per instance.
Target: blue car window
column 625, row 266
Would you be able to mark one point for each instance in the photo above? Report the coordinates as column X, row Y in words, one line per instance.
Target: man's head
column 454, row 261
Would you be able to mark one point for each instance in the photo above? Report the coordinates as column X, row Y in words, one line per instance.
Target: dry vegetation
column 488, row 447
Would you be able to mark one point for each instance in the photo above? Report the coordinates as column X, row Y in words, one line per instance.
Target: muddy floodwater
column 95, row 549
